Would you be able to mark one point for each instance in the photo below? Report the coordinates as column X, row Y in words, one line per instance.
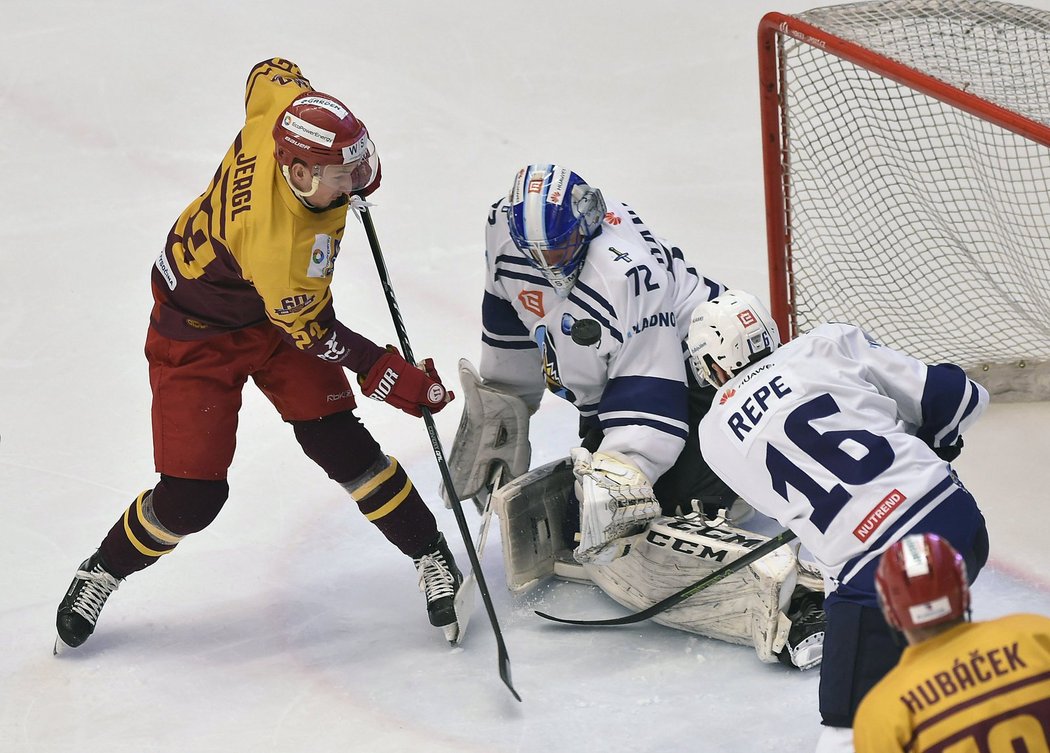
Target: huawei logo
column 726, row 396
column 612, row 219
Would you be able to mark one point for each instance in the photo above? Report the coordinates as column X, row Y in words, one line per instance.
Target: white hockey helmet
column 733, row 330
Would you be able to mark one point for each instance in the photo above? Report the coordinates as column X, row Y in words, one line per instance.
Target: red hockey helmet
column 321, row 132
column 921, row 582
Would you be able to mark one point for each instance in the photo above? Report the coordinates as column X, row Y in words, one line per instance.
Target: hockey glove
column 950, row 452
column 616, row 500
column 394, row 380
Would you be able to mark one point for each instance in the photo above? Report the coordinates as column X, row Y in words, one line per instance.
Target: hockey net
column 907, row 160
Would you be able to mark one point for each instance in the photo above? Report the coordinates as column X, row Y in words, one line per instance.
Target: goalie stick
column 439, row 454
column 465, row 596
column 678, row 597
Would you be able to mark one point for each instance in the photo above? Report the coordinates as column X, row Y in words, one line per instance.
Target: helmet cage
column 921, row 582
column 552, row 216
column 734, row 331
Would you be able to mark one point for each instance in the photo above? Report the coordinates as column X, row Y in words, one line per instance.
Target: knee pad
column 339, row 443
column 158, row 519
column 181, row 506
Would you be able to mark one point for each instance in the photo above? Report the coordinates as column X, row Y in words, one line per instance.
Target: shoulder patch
column 322, row 256
column 165, row 270
column 532, row 301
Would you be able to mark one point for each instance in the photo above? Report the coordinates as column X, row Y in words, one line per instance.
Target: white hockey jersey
column 632, row 380
column 831, row 435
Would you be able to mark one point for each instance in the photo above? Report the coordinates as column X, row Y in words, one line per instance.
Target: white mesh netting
column 922, row 223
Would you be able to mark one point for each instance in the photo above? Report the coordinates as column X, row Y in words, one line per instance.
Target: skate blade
column 60, row 647
column 464, row 605
column 452, row 633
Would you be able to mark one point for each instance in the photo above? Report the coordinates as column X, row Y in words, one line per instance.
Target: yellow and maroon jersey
column 247, row 251
column 976, row 688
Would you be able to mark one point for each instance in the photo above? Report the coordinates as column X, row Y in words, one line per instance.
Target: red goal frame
column 771, row 29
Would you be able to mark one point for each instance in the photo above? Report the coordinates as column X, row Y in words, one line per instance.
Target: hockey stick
column 465, row 596
column 678, row 597
column 439, row 454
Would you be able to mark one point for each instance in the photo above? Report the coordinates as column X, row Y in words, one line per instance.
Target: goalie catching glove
column 394, row 380
column 616, row 500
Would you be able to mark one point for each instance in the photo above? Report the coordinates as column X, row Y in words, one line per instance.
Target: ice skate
column 79, row 610
column 439, row 579
column 805, row 643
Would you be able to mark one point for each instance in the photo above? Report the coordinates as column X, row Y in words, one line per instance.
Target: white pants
column 835, row 740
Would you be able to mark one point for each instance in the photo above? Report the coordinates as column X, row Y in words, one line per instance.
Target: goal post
column 906, row 149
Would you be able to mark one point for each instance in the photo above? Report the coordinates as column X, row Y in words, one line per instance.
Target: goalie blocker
column 750, row 607
column 493, row 432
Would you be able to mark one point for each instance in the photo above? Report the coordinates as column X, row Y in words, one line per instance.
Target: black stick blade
column 504, row 674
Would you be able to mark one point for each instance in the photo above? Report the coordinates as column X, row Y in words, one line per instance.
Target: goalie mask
column 319, row 131
column 734, row 331
column 921, row 582
column 552, row 216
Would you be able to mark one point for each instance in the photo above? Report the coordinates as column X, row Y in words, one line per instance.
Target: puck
column 586, row 332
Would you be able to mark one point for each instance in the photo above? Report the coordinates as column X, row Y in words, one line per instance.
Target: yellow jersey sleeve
column 271, row 85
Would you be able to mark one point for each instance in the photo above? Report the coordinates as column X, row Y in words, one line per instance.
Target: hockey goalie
column 592, row 518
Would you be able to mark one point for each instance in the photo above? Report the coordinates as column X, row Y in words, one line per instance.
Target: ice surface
column 289, row 624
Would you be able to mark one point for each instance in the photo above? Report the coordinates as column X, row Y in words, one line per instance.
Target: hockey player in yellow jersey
column 242, row 290
column 960, row 687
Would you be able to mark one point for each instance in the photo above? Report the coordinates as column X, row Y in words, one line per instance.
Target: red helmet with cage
column 921, row 582
column 321, row 132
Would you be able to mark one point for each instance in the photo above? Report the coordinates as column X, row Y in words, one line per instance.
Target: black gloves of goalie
column 950, row 452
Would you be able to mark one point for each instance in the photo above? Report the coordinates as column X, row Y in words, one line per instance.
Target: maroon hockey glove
column 394, row 380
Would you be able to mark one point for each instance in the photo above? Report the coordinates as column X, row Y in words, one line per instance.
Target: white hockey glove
column 616, row 500
column 493, row 431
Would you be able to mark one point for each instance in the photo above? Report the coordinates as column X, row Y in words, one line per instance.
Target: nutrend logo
column 879, row 514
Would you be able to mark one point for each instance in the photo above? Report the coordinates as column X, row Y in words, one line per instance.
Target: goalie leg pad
column 533, row 512
column 675, row 552
column 493, row 430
